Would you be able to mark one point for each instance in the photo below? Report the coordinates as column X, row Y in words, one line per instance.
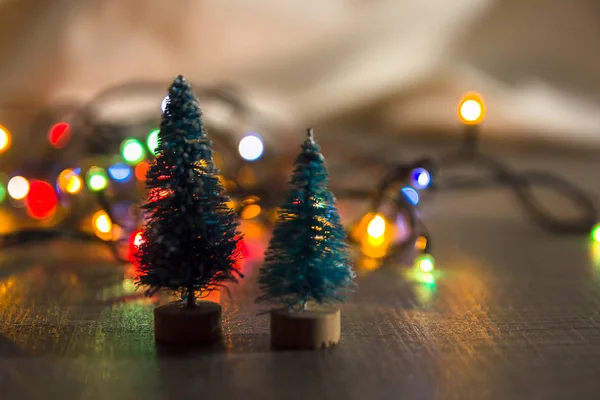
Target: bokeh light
column 41, row 201
column 2, row 192
column 63, row 179
column 471, row 109
column 411, row 195
column 97, row 179
column 425, row 263
column 152, row 141
column 420, row 178
column 376, row 227
column 74, row 184
column 596, row 233
column 140, row 170
column 68, row 181
column 164, row 103
column 421, row 243
column 102, row 222
column 4, row 139
column 251, row 147
column 132, row 151
column 135, row 240
column 18, row 187
column 120, row 172
column 59, row 134
column 374, row 233
column 251, row 211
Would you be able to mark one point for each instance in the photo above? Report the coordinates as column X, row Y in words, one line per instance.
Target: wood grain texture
column 512, row 313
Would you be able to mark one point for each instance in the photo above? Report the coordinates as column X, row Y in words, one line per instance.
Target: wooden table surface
column 514, row 313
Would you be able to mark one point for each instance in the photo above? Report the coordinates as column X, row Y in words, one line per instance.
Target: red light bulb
column 41, row 201
column 59, row 135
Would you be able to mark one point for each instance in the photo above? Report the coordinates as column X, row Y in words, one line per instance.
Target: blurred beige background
column 402, row 64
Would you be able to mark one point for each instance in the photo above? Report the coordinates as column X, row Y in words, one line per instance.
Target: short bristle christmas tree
column 190, row 242
column 307, row 258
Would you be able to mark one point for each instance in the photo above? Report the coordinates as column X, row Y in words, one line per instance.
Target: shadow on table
column 230, row 344
column 9, row 349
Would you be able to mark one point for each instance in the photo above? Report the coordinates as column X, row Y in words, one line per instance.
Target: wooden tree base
column 176, row 324
column 309, row 329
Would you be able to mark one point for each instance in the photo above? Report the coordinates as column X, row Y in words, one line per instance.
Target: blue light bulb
column 120, row 172
column 411, row 195
column 420, row 178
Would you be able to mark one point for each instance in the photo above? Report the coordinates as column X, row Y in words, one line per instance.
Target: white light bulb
column 376, row 227
column 470, row 110
column 163, row 104
column 251, row 147
column 18, row 188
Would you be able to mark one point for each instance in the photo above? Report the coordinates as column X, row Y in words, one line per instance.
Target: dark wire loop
column 522, row 185
column 397, row 174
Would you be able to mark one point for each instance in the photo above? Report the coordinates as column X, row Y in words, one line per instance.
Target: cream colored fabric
column 536, row 61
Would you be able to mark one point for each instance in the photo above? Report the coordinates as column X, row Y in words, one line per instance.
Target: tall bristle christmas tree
column 307, row 258
column 190, row 242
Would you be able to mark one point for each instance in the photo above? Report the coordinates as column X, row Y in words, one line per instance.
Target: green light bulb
column 2, row 193
column 425, row 263
column 596, row 233
column 97, row 179
column 132, row 151
column 152, row 141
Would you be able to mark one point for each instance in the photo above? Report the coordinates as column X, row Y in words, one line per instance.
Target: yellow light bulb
column 376, row 227
column 251, row 211
column 4, row 139
column 74, row 184
column 471, row 109
column 421, row 243
column 102, row 222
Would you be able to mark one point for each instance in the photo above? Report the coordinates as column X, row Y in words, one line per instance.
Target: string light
column 251, row 211
column 132, row 151
column 59, row 134
column 74, row 184
column 411, row 195
column 102, row 222
column 374, row 234
column 152, row 141
column 164, row 103
column 120, row 172
column 596, row 233
column 421, row 243
column 135, row 241
column 140, row 170
column 4, row 139
column 251, row 147
column 471, row 109
column 67, row 181
column 97, row 179
column 18, row 187
column 425, row 262
column 420, row 178
column 41, row 201
column 376, row 227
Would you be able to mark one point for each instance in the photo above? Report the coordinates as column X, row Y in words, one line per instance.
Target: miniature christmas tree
column 307, row 258
column 190, row 241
